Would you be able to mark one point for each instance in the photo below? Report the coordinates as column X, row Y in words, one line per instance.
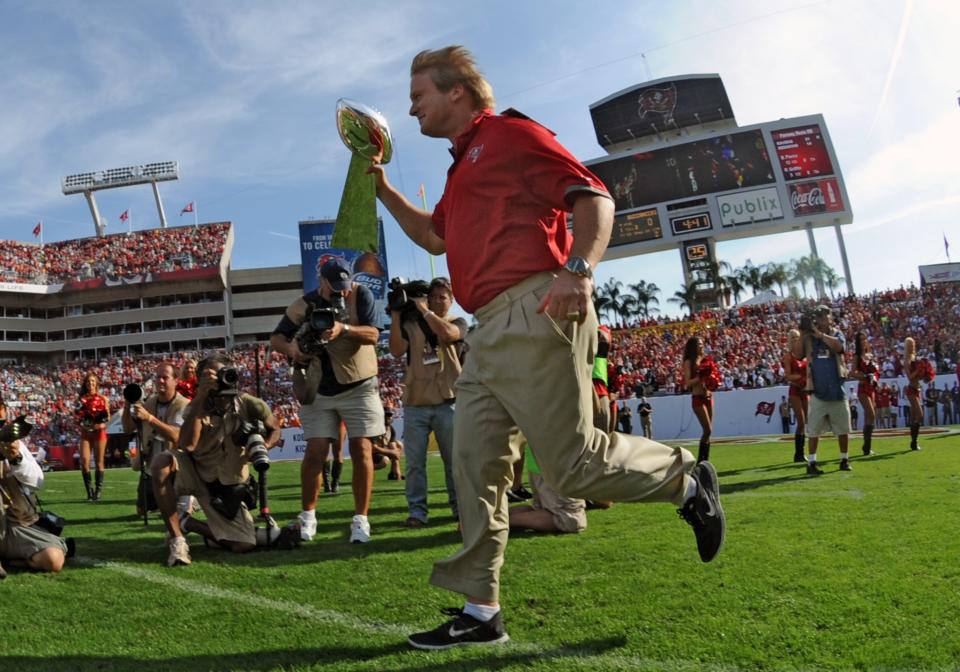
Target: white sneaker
column 359, row 530
column 308, row 525
column 179, row 552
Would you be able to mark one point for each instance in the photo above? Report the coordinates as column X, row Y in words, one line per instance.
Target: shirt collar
column 462, row 141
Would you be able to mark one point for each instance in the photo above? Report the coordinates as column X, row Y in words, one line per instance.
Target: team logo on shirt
column 474, row 153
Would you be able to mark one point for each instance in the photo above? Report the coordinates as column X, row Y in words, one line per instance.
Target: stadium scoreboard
column 769, row 178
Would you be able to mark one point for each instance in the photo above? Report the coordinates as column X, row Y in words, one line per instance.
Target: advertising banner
column 368, row 268
column 815, row 197
column 751, row 206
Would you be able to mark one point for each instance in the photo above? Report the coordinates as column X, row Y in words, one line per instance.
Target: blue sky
column 243, row 95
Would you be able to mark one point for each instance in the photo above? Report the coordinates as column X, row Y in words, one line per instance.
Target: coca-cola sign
column 816, row 196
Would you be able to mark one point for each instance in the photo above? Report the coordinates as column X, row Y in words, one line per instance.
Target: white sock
column 811, row 458
column 690, row 490
column 360, row 519
column 843, row 456
column 481, row 612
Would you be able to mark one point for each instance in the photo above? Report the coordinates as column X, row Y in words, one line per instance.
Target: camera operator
column 335, row 380
column 22, row 541
column 432, row 340
column 157, row 420
column 211, row 463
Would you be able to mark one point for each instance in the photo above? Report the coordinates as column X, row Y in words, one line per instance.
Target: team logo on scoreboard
column 658, row 101
column 751, row 206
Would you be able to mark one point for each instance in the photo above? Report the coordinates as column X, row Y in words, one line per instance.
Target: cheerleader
column 915, row 371
column 93, row 411
column 698, row 379
column 795, row 371
column 187, row 386
column 865, row 371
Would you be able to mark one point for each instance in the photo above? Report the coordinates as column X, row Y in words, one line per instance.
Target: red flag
column 125, row 215
column 187, row 208
column 37, row 229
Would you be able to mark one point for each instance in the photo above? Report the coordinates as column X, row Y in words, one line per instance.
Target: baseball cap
column 337, row 273
column 822, row 310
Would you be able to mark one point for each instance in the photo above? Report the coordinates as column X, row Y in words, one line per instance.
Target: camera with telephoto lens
column 228, row 380
column 15, row 429
column 250, row 435
column 132, row 393
column 320, row 319
column 402, row 293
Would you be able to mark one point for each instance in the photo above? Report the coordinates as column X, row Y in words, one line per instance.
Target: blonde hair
column 455, row 65
column 792, row 334
column 909, row 349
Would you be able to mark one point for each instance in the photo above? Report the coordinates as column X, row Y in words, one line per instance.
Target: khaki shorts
column 569, row 515
column 188, row 482
column 22, row 543
column 359, row 407
column 828, row 416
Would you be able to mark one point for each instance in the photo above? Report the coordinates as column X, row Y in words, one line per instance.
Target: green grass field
column 855, row 570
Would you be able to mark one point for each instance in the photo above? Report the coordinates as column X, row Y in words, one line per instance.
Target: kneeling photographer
column 156, row 421
column 223, row 431
column 432, row 341
column 27, row 538
column 330, row 335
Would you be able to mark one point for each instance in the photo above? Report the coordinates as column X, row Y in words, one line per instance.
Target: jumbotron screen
column 722, row 163
column 645, row 110
column 802, row 152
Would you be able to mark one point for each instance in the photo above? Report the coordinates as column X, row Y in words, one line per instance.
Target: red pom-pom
column 709, row 373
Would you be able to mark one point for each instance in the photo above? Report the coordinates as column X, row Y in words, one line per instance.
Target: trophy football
column 366, row 133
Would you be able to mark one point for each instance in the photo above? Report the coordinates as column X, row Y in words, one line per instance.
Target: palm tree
column 610, row 298
column 685, row 297
column 776, row 273
column 753, row 276
column 800, row 272
column 818, row 271
column 735, row 285
column 645, row 293
column 832, row 280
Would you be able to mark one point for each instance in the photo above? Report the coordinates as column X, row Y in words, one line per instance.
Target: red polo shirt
column 503, row 209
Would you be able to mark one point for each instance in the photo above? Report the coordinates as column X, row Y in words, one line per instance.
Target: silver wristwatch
column 579, row 266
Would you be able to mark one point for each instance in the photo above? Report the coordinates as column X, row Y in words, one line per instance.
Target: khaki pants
column 525, row 370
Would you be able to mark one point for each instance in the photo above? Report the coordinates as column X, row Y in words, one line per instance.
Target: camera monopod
column 133, row 393
column 264, row 504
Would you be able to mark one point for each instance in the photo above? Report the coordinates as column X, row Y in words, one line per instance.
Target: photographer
column 157, row 420
column 431, row 340
column 216, row 442
column 824, row 347
column 22, row 541
column 330, row 334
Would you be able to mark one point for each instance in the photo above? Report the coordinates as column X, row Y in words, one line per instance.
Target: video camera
column 401, row 295
column 320, row 319
column 250, row 435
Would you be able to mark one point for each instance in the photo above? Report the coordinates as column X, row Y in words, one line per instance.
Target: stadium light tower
column 148, row 173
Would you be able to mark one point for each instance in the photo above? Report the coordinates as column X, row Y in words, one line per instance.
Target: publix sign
column 751, row 206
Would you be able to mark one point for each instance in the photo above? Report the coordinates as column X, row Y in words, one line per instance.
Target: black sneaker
column 460, row 630
column 514, row 498
column 704, row 513
column 523, row 493
column 845, row 465
column 813, row 469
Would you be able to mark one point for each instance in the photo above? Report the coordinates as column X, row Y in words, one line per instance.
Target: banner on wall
column 368, row 268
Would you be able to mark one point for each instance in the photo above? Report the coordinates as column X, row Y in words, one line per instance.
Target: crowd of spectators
column 117, row 255
column 748, row 343
column 49, row 393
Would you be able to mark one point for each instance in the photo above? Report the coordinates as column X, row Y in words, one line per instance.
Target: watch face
column 578, row 266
